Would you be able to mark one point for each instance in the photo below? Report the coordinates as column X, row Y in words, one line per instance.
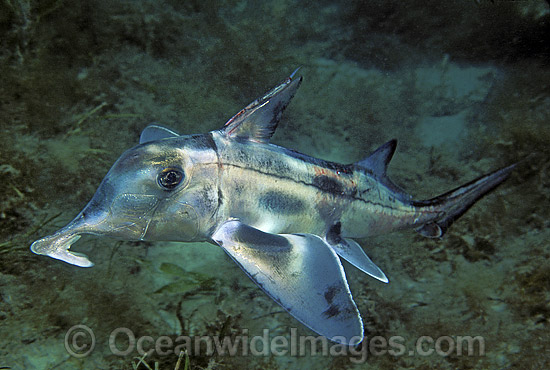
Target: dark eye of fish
column 169, row 178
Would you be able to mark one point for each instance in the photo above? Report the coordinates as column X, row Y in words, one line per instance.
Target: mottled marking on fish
column 260, row 163
column 340, row 168
column 328, row 184
column 207, row 194
column 278, row 202
column 330, row 293
column 277, row 113
column 333, row 310
column 220, row 198
column 238, row 189
column 256, row 239
column 333, row 234
column 210, row 142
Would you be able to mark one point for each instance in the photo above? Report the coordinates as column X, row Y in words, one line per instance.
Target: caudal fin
column 455, row 203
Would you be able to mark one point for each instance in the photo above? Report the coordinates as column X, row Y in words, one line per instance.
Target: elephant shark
column 284, row 217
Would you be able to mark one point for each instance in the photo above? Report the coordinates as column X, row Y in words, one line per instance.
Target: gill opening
column 146, row 228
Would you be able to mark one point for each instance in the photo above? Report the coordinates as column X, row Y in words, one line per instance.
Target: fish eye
column 169, row 178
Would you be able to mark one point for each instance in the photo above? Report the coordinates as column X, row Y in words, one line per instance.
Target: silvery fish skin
column 284, row 217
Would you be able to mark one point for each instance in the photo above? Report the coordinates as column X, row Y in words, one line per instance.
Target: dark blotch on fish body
column 256, row 239
column 328, row 185
column 282, row 203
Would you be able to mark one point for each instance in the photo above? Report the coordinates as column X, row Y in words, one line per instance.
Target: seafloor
column 463, row 85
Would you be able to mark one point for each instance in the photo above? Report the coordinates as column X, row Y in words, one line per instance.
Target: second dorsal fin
column 377, row 164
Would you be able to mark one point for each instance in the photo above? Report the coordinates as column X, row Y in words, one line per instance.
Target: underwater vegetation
column 464, row 88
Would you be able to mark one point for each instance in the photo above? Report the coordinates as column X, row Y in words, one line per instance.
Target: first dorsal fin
column 377, row 165
column 154, row 133
column 258, row 120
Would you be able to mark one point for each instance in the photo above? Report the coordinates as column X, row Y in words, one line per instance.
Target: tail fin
column 455, row 203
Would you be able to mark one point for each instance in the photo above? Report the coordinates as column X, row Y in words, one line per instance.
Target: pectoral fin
column 301, row 273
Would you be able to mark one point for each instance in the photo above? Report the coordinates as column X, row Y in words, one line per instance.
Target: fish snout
column 57, row 246
column 59, row 243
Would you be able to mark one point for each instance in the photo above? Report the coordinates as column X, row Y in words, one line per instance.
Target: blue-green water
column 465, row 88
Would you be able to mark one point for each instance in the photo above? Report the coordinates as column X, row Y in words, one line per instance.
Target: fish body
column 281, row 191
column 286, row 218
